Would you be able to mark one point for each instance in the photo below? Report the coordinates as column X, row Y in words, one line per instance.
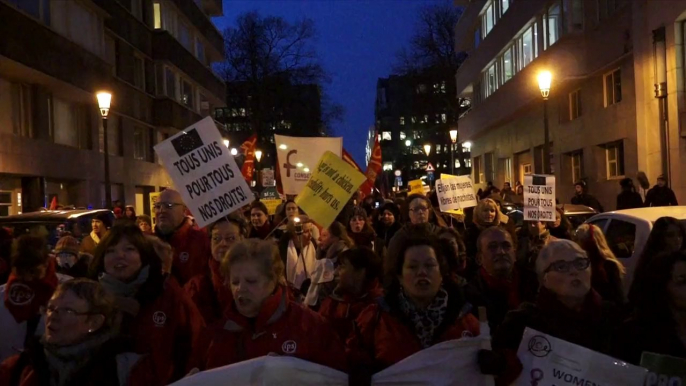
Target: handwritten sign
column 539, row 198
column 548, row 361
column 664, row 370
column 203, row 171
column 154, row 197
column 455, row 192
column 415, row 187
column 332, row 184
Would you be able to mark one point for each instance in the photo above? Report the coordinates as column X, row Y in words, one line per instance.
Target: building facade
column 603, row 116
column 413, row 111
column 154, row 56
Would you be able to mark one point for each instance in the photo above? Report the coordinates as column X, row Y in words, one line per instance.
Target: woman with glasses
column 208, row 291
column 417, row 210
column 79, row 345
column 157, row 315
column 567, row 308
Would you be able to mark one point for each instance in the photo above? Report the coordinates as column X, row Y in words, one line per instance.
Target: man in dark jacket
column 628, row 198
column 581, row 197
column 661, row 194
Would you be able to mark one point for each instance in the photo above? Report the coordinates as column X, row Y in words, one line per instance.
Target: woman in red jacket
column 208, row 291
column 157, row 315
column 262, row 319
column 358, row 287
column 422, row 307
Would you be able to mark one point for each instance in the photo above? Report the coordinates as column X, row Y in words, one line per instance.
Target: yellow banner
column 329, row 188
column 154, row 197
column 271, row 205
column 416, row 187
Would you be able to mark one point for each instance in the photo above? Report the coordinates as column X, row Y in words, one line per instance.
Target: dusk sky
column 357, row 43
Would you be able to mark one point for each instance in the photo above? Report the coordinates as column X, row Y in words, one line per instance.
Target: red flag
column 53, row 204
column 349, row 159
column 373, row 167
column 248, row 148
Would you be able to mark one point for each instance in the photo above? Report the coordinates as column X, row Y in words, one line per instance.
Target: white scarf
column 95, row 237
column 299, row 268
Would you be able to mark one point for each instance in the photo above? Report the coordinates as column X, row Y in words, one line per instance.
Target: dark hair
column 105, row 218
column 337, row 229
column 235, row 219
column 363, row 258
column 655, row 243
column 99, row 301
column 282, row 212
column 133, row 210
column 457, row 258
column 566, row 231
column 408, row 202
column 143, row 218
column 28, row 253
column 653, row 299
column 259, row 205
column 393, row 266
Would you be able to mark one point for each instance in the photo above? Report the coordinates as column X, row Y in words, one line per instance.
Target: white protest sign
column 455, row 192
column 204, row 172
column 548, row 361
column 299, row 156
column 539, row 198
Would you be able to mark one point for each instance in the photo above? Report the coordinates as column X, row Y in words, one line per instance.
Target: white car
column 627, row 232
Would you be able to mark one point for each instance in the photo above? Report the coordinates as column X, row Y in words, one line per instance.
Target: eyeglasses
column 63, row 311
column 564, row 266
column 419, row 209
column 166, row 205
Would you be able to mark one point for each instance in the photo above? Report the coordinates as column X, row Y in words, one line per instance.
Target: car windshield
column 78, row 227
column 578, row 219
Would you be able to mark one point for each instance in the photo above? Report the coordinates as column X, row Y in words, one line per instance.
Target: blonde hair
column 261, row 252
column 478, row 211
column 591, row 237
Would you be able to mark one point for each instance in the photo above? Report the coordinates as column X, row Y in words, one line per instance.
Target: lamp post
column 453, row 140
column 104, row 101
column 427, row 150
column 544, row 80
column 258, row 157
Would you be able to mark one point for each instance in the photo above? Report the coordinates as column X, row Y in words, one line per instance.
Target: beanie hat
column 67, row 244
column 359, row 211
column 662, row 177
column 105, row 217
column 391, row 207
column 581, row 183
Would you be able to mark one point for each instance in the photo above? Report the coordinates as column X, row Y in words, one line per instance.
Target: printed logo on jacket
column 159, row 318
column 289, row 347
column 21, row 294
column 184, row 256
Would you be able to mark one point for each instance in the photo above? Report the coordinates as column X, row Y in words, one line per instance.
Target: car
column 53, row 223
column 627, row 231
column 576, row 214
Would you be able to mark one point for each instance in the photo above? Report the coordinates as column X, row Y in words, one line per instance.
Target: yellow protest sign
column 458, row 212
column 154, row 197
column 271, row 205
column 416, row 187
column 329, row 188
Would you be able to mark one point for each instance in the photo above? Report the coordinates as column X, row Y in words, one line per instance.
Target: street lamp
column 226, row 142
column 258, row 157
column 408, row 143
column 467, row 145
column 427, row 149
column 453, row 139
column 104, row 101
column 544, row 80
column 234, row 151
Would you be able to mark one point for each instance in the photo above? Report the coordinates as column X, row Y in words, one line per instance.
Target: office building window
column 114, row 144
column 614, row 157
column 200, row 51
column 111, row 53
column 187, row 94
column 40, row 9
column 477, row 37
column 578, row 15
column 577, row 160
column 79, row 24
column 402, row 120
column 386, row 136
column 504, row 5
column 574, row 105
column 613, row 87
column 22, row 118
column 184, row 35
column 138, row 71
column 170, row 83
column 444, row 118
column 507, row 64
column 488, row 19
column 157, row 14
column 527, row 46
column 553, row 24
column 137, row 9
column 142, row 149
column 402, row 136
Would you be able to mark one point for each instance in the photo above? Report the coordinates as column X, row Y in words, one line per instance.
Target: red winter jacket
column 341, row 311
column 382, row 338
column 191, row 251
column 209, row 293
column 282, row 327
column 166, row 327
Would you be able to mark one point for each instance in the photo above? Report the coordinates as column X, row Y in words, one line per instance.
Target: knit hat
column 391, row 207
column 105, row 217
column 359, row 211
column 662, row 177
column 67, row 244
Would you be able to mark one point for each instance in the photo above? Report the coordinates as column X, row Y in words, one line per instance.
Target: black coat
column 387, row 233
column 629, row 200
column 654, row 334
column 588, row 200
column 660, row 196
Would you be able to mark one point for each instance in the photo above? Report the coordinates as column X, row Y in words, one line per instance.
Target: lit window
column 158, row 15
column 402, row 136
column 613, row 87
column 187, row 94
column 614, row 156
column 574, row 105
column 402, row 121
column 386, row 136
column 488, row 19
column 443, row 91
column 468, row 163
column 388, row 166
column 508, row 65
column 242, row 112
column 504, row 5
column 551, row 25
column 426, row 118
column 457, row 163
column 577, row 160
column 414, row 119
column 444, row 118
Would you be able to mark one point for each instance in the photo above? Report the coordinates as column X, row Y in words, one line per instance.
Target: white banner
column 268, row 177
column 299, row 156
column 539, row 198
column 204, row 172
column 455, row 192
column 548, row 361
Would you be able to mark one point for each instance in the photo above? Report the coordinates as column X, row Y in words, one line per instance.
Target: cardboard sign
column 455, row 193
column 154, row 197
column 272, row 205
column 664, row 370
column 548, row 361
column 415, row 187
column 298, row 157
column 332, row 184
column 268, row 177
column 204, row 172
column 539, row 198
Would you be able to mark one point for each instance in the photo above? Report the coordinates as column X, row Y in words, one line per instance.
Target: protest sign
column 455, row 192
column 203, row 171
column 664, row 370
column 415, row 187
column 268, row 177
column 332, row 184
column 548, row 361
column 298, row 158
column 154, row 197
column 539, row 198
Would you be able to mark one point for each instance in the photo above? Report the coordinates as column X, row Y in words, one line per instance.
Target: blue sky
column 357, row 42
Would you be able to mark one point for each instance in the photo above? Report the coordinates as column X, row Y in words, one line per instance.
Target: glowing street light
column 234, row 151
column 427, row 149
column 408, row 143
column 453, row 136
column 258, row 155
column 544, row 80
column 104, row 102
column 226, row 142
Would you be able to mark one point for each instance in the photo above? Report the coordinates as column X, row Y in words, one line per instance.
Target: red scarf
column 24, row 299
column 509, row 287
column 221, row 290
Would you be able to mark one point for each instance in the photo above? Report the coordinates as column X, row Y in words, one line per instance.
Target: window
column 577, row 162
column 40, row 9
column 402, row 136
column 416, row 135
column 170, row 83
column 242, row 112
column 552, row 25
column 414, row 119
column 79, row 24
column 426, row 118
column 477, row 37
column 142, row 147
column 402, row 121
column 621, row 238
column 386, row 136
column 421, row 88
column 478, row 172
column 577, row 15
column 490, row 83
column 527, row 46
column 438, row 149
column 613, row 87
column 138, row 71
column 204, row 106
column 22, row 118
column 527, row 169
column 111, row 53
column 504, row 5
column 468, row 162
column 137, row 9
column 443, row 89
column 507, row 65
column 200, row 51
column 388, row 166
column 488, row 19
column 157, row 15
column 185, row 36
column 614, row 157
column 68, row 121
column 187, row 94
column 574, row 105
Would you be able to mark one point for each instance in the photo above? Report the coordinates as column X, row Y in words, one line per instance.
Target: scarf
column 426, row 321
column 363, row 239
column 24, row 299
column 221, row 290
column 125, row 292
column 65, row 361
column 507, row 287
column 299, row 267
column 95, row 237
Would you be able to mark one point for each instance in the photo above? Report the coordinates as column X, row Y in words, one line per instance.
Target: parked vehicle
column 576, row 214
column 627, row 232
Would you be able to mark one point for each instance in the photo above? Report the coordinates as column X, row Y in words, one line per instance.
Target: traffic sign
column 430, row 168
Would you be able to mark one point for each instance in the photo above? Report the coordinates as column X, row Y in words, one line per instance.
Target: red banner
column 248, row 148
column 373, row 167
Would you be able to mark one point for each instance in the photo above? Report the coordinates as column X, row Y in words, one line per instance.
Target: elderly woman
column 79, row 345
column 262, row 318
column 209, row 291
column 158, row 316
column 422, row 307
column 567, row 308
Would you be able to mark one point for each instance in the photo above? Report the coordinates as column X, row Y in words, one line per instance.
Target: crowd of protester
column 136, row 304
